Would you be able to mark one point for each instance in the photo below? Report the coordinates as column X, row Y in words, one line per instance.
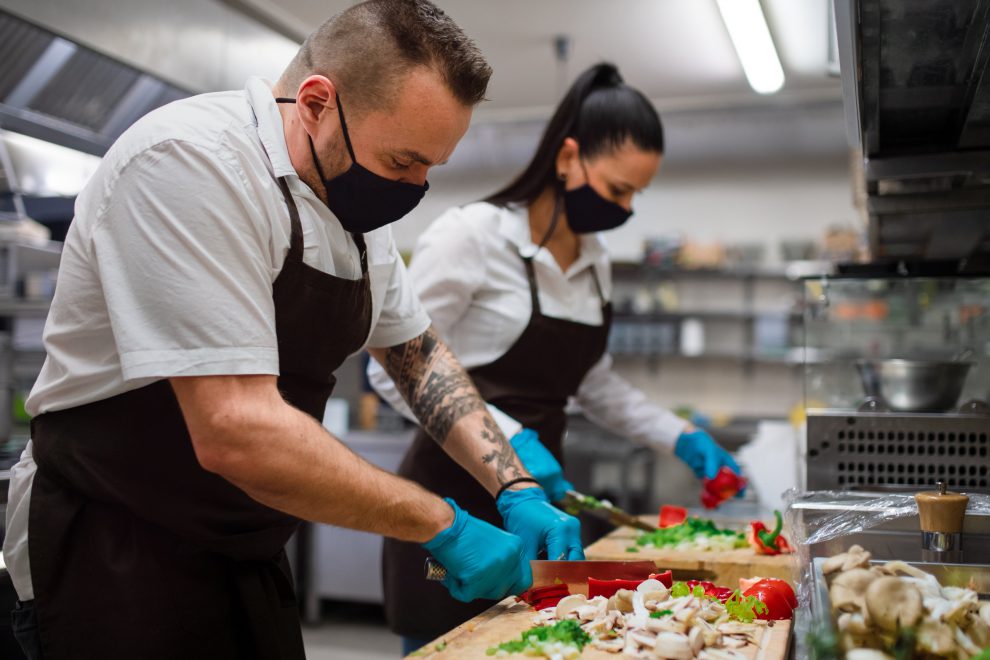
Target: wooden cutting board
column 724, row 568
column 508, row 619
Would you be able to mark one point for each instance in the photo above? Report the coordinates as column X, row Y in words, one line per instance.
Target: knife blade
column 571, row 572
column 604, row 510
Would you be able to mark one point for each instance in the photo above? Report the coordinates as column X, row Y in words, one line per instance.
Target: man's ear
column 316, row 95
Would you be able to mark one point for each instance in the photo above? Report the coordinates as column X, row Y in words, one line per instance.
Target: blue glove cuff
column 452, row 532
column 523, row 437
column 513, row 498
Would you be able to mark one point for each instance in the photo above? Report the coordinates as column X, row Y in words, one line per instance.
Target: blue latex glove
column 482, row 561
column 540, row 463
column 703, row 455
column 528, row 514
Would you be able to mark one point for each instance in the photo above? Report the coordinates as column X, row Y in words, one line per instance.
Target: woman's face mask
column 360, row 199
column 588, row 212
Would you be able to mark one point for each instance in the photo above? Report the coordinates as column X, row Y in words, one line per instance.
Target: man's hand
column 482, row 561
column 529, row 514
column 541, row 464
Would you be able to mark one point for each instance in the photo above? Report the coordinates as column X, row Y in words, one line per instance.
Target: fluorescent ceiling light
column 750, row 36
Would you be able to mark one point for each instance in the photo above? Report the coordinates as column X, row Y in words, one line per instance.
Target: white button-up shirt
column 169, row 263
column 469, row 275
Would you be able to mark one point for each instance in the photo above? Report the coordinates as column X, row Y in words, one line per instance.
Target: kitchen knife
column 575, row 501
column 571, row 572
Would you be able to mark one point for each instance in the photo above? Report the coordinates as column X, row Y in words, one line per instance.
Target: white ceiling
column 676, row 51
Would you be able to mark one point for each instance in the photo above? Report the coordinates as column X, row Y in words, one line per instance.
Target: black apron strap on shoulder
column 363, row 250
column 533, row 290
column 295, row 234
column 598, row 285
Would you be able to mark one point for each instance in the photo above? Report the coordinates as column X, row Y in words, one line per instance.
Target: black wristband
column 513, row 482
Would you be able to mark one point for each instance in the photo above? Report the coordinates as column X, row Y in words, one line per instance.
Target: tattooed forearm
column 504, row 457
column 433, row 383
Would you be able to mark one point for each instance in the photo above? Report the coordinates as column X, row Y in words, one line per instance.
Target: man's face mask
column 588, row 212
column 362, row 200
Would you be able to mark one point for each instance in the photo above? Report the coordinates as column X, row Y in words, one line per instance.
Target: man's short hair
column 366, row 51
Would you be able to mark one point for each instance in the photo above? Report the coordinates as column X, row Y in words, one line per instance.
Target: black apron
column 138, row 552
column 531, row 382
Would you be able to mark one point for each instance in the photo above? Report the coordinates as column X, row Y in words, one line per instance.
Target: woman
column 518, row 286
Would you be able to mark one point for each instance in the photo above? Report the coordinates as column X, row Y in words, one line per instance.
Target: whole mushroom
column 893, row 603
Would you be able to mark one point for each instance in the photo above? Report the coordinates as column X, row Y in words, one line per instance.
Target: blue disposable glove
column 540, row 463
column 703, row 455
column 482, row 561
column 528, row 514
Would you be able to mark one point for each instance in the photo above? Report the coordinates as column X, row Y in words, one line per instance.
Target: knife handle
column 435, row 571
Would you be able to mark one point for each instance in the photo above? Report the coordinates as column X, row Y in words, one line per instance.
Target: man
column 227, row 256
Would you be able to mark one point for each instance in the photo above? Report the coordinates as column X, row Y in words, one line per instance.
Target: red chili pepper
column 667, row 578
column 724, row 486
column 608, row 588
column 671, row 515
column 771, row 595
column 768, row 542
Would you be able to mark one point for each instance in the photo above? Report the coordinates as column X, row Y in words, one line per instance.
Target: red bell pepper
column 671, row 515
column 768, row 542
column 724, row 486
column 542, row 597
column 666, row 578
column 771, row 594
column 711, row 590
column 781, row 586
column 608, row 588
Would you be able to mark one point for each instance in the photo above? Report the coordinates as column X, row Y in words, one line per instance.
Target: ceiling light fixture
column 750, row 36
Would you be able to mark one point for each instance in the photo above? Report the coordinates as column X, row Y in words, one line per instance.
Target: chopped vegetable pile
column 654, row 618
column 767, row 542
column 693, row 534
column 563, row 639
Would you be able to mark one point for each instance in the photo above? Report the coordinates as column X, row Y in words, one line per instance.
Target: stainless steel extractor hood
column 916, row 90
column 61, row 92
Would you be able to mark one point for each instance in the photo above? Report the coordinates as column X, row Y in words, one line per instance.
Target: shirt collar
column 269, row 122
column 513, row 225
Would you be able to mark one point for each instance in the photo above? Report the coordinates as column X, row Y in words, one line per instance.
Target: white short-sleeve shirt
column 168, row 266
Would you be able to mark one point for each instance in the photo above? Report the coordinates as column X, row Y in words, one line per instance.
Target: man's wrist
column 442, row 519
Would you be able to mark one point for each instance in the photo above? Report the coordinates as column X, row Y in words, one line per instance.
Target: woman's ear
column 568, row 159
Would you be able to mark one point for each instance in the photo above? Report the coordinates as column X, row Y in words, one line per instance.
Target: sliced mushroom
column 621, row 600
column 613, row 645
column 590, row 611
column 893, row 603
column 652, row 599
column 853, row 622
column 642, row 638
column 978, row 629
column 848, row 589
column 666, row 624
column 854, row 557
column 651, row 585
column 673, row 646
column 697, row 640
column 966, row 644
column 569, row 605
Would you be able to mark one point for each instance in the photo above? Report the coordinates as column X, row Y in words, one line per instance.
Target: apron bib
column 138, row 552
column 531, row 382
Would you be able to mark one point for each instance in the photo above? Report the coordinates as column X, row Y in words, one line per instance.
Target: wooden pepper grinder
column 941, row 514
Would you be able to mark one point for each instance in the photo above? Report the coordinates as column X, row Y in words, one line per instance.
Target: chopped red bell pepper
column 768, row 542
column 608, row 588
column 671, row 515
column 711, row 590
column 771, row 594
column 542, row 597
column 666, row 578
column 724, row 486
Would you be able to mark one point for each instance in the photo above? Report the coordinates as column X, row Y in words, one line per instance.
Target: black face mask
column 362, row 200
column 588, row 212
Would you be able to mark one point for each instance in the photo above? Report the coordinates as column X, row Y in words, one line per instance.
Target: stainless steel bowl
column 914, row 385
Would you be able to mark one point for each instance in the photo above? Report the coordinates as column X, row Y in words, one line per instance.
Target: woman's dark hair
column 601, row 112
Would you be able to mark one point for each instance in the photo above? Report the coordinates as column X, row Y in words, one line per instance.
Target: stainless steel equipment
column 888, row 405
column 913, row 385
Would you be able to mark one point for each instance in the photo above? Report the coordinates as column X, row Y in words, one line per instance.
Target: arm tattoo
column 433, row 383
column 504, row 457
